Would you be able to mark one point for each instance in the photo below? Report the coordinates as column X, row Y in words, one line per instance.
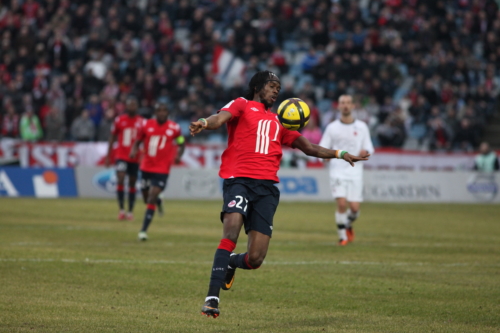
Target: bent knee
column 256, row 260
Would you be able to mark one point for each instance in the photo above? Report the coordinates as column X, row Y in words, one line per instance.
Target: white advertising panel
column 314, row 185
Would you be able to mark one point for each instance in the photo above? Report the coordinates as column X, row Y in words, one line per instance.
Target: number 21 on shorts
column 237, row 203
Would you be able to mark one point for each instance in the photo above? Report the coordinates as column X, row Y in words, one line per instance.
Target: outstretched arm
column 213, row 122
column 311, row 149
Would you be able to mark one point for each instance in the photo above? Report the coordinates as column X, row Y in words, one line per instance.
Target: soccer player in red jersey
column 124, row 132
column 158, row 135
column 249, row 168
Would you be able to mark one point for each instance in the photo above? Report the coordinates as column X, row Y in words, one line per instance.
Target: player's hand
column 351, row 159
column 177, row 160
column 195, row 127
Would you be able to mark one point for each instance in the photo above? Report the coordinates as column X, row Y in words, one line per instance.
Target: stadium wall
column 313, row 185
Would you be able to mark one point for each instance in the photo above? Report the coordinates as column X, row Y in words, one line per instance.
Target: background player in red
column 158, row 135
column 124, row 132
column 249, row 168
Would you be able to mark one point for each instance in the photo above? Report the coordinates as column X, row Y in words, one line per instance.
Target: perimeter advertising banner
column 314, row 185
column 37, row 182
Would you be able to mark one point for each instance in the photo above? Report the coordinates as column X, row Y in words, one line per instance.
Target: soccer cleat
column 121, row 215
column 350, row 234
column 143, row 236
column 229, row 279
column 343, row 242
column 159, row 204
column 130, row 216
column 210, row 308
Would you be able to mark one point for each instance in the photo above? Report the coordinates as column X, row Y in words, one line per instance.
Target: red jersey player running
column 124, row 131
column 249, row 168
column 158, row 135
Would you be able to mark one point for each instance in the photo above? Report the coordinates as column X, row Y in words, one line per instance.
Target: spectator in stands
column 54, row 125
column 95, row 109
column 439, row 135
column 486, row 160
column 104, row 129
column 10, row 123
column 83, row 128
column 466, row 137
column 30, row 127
column 445, row 53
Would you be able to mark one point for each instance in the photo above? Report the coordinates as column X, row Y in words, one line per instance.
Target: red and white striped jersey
column 254, row 142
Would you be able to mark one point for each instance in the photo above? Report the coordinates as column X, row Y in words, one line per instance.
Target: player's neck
column 131, row 115
column 258, row 100
column 347, row 119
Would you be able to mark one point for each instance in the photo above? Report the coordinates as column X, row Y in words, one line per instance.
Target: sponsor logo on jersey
column 232, row 204
column 254, row 109
column 151, row 129
column 169, row 132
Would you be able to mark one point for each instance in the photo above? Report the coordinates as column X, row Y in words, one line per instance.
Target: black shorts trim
column 255, row 199
column 130, row 168
column 149, row 179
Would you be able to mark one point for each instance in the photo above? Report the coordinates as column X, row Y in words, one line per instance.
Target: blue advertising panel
column 37, row 182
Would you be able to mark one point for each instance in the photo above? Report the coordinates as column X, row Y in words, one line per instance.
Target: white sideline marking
column 270, row 263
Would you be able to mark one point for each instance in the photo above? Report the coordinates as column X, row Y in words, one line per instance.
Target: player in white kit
column 347, row 182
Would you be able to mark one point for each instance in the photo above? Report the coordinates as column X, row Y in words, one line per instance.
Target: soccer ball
column 293, row 114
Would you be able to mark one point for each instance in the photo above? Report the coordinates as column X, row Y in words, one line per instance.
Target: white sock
column 341, row 220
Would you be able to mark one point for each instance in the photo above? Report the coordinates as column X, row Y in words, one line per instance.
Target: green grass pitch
column 68, row 265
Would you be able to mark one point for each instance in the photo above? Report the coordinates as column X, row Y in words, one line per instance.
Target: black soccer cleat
column 211, row 308
column 229, row 279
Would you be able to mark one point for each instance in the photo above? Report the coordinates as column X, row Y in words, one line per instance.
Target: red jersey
column 126, row 129
column 254, row 142
column 159, row 147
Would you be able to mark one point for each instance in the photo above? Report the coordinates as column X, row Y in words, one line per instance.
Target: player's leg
column 355, row 197
column 259, row 226
column 232, row 223
column 258, row 244
column 339, row 192
column 157, row 184
column 233, row 215
column 121, row 167
column 160, row 206
column 144, row 187
column 132, row 171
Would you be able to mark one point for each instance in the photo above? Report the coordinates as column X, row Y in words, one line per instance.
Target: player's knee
column 341, row 208
column 256, row 260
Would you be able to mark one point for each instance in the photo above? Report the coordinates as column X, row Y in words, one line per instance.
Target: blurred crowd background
column 425, row 74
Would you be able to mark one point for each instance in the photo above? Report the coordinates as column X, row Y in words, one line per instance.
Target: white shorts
column 351, row 189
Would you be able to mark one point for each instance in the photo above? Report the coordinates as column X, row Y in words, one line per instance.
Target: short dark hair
column 160, row 104
column 258, row 81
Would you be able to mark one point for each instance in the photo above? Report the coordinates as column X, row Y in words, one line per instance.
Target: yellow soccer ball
column 293, row 114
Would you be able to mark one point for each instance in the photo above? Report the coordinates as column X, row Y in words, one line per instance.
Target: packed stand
column 422, row 71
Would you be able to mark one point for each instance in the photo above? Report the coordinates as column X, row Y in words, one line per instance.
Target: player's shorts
column 149, row 179
column 255, row 199
column 129, row 168
column 351, row 189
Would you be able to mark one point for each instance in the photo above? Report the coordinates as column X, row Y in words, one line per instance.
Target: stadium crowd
column 424, row 70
